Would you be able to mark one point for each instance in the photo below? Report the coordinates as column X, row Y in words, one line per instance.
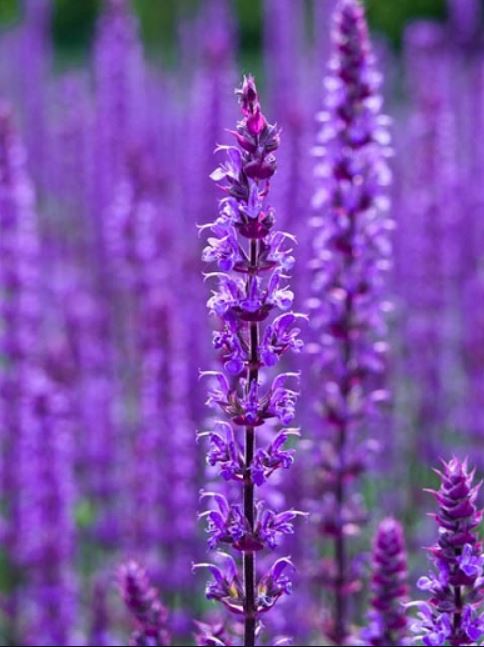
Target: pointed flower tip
column 389, row 523
column 281, row 564
column 248, row 91
column 196, row 566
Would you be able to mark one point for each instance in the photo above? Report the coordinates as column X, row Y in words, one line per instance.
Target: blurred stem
column 340, row 602
column 340, row 547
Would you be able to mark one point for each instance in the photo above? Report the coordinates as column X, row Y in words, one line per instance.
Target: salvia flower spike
column 141, row 600
column 453, row 614
column 352, row 254
column 253, row 305
column 387, row 618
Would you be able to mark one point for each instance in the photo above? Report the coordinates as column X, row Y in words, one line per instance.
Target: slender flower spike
column 141, row 600
column 387, row 622
column 252, row 302
column 454, row 611
column 351, row 257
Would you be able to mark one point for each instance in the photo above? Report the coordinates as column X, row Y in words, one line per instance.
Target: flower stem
column 249, row 503
column 456, row 622
column 249, row 557
column 340, row 601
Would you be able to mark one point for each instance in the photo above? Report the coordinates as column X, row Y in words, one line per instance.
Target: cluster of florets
column 142, row 602
column 387, row 621
column 453, row 613
column 253, row 264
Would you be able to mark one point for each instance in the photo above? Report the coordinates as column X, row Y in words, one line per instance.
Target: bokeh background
column 73, row 22
column 119, row 119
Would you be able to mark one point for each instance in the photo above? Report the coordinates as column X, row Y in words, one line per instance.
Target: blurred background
column 109, row 116
column 73, row 22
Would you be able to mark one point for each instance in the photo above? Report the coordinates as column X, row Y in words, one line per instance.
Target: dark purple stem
column 249, row 557
column 341, row 603
column 340, row 556
column 457, row 619
column 340, row 631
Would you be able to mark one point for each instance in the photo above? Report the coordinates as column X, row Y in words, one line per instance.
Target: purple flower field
column 242, row 332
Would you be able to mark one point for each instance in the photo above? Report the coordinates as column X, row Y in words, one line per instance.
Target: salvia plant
column 113, row 472
column 141, row 600
column 453, row 613
column 352, row 253
column 387, row 618
column 253, row 261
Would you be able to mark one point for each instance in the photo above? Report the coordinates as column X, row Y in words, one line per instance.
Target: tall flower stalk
column 351, row 257
column 428, row 231
column 46, row 504
column 20, row 357
column 465, row 19
column 253, row 261
column 387, row 621
column 36, row 52
column 454, row 613
column 142, row 601
column 120, row 99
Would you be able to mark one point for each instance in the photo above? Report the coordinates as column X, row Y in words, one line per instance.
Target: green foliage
column 391, row 16
column 73, row 24
column 5, row 573
column 85, row 514
column 73, row 21
column 9, row 11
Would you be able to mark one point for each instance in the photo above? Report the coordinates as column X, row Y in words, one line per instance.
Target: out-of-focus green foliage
column 74, row 20
column 73, row 23
column 391, row 16
column 9, row 10
column 85, row 514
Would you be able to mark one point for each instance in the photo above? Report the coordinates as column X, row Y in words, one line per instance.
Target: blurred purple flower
column 141, row 600
column 352, row 254
column 387, row 622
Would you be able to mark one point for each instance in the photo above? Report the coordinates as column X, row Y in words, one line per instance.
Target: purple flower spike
column 387, row 622
column 253, row 304
column 352, row 255
column 141, row 600
column 454, row 613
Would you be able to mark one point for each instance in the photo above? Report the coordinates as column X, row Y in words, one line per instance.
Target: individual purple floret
column 141, row 599
column 253, row 262
column 351, row 258
column 211, row 634
column 387, row 622
column 454, row 613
